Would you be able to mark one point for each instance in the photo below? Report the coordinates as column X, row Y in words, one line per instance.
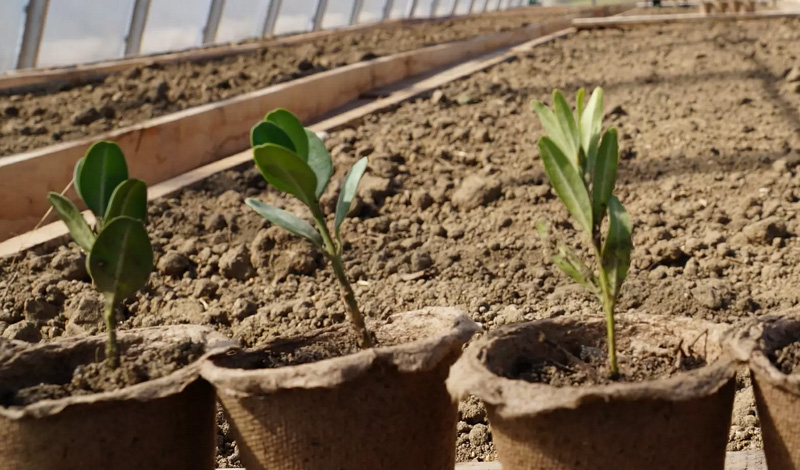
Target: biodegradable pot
column 383, row 408
column 777, row 394
column 678, row 423
column 163, row 424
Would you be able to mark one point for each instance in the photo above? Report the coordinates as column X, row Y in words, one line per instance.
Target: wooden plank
column 618, row 21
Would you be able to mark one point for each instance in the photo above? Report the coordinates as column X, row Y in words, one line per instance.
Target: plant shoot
column 294, row 160
column 581, row 163
column 119, row 254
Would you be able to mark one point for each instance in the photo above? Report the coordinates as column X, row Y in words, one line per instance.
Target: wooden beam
column 616, row 22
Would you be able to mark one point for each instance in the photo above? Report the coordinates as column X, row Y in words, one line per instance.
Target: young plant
column 119, row 255
column 582, row 168
column 294, row 160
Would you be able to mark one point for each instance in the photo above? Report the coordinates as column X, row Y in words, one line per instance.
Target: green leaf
column 289, row 123
column 568, row 262
column 579, row 106
column 591, row 124
column 320, row 161
column 287, row 220
column 568, row 127
column 286, row 171
column 605, row 174
column 618, row 245
column 567, row 182
column 75, row 173
column 128, row 199
column 102, row 170
column 72, row 217
column 269, row 133
column 121, row 259
column 348, row 192
column 543, row 229
column 554, row 131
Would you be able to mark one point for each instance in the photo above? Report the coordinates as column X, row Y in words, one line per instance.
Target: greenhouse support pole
column 212, row 24
column 319, row 14
column 35, row 16
column 455, row 5
column 412, row 5
column 358, row 5
column 133, row 42
column 485, row 6
column 471, row 4
column 272, row 16
column 434, row 8
column 387, row 9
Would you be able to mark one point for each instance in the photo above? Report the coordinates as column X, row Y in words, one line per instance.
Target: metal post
column 412, row 5
column 358, row 5
column 434, row 8
column 387, row 9
column 35, row 16
column 212, row 24
column 485, row 5
column 272, row 16
column 319, row 14
column 471, row 4
column 455, row 5
column 133, row 42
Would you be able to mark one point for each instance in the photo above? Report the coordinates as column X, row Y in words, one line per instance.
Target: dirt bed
column 709, row 124
column 32, row 120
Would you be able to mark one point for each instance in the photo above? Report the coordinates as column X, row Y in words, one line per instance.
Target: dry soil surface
column 32, row 120
column 709, row 120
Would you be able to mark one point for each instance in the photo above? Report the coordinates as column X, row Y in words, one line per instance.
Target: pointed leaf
column 75, row 173
column 591, row 125
column 319, row 160
column 72, row 217
column 286, row 171
column 618, row 245
column 348, row 192
column 579, row 106
column 553, row 130
column 102, row 170
column 269, row 133
column 128, row 199
column 289, row 123
column 567, row 261
column 568, row 184
column 122, row 258
column 568, row 127
column 287, row 220
column 605, row 174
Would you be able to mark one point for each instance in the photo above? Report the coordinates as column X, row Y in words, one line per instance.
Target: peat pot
column 162, row 424
column 675, row 423
column 382, row 408
column 777, row 394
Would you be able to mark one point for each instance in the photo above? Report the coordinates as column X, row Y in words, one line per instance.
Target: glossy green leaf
column 348, row 192
column 568, row 127
column 72, row 217
column 269, row 133
column 319, row 159
column 553, row 129
column 75, row 173
column 618, row 245
column 121, row 259
column 289, row 123
column 128, row 199
column 567, row 182
column 605, row 174
column 287, row 220
column 102, row 170
column 591, row 124
column 286, row 171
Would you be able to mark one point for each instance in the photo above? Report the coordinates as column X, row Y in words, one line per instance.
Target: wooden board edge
column 618, row 21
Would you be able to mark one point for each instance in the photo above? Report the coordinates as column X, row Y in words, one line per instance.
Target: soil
column 139, row 363
column 787, row 359
column 709, row 127
column 32, row 120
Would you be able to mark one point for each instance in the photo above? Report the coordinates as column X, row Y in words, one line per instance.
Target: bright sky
column 79, row 31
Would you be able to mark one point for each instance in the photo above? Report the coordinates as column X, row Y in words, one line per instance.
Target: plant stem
column 333, row 253
column 112, row 353
column 609, row 302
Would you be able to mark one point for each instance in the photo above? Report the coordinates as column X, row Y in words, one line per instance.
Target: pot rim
column 748, row 346
column 414, row 356
column 161, row 387
column 518, row 399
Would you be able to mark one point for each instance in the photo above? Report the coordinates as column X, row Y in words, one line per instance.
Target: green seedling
column 294, row 160
column 581, row 163
column 119, row 255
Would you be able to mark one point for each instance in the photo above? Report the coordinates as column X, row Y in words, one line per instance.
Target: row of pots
column 395, row 406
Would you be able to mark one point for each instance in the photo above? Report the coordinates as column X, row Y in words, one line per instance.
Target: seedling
column 119, row 255
column 582, row 168
column 294, row 160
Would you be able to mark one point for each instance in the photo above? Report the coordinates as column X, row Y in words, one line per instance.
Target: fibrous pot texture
column 163, row 424
column 382, row 408
column 677, row 422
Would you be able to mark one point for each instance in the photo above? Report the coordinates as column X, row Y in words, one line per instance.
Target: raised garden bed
column 709, row 130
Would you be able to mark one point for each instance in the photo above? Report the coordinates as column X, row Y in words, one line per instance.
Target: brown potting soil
column 787, row 359
column 32, row 120
column 710, row 139
column 139, row 363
